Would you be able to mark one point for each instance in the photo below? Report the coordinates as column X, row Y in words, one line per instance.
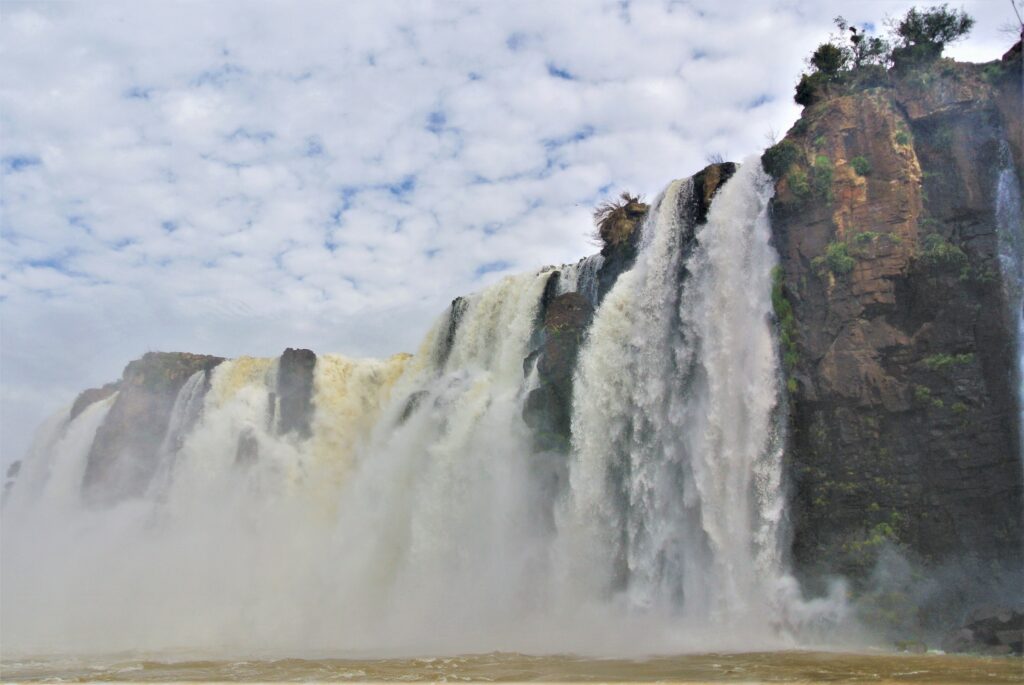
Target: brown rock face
column 706, row 183
column 123, row 456
column 904, row 416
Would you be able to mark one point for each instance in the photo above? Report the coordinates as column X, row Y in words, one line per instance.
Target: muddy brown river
column 764, row 667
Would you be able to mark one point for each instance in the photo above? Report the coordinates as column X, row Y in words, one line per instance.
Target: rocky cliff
column 898, row 337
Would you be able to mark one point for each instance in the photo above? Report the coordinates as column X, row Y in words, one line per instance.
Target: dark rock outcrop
column 248, row 450
column 446, row 341
column 899, row 353
column 548, row 407
column 706, row 183
column 295, row 392
column 990, row 630
column 9, row 478
column 123, row 456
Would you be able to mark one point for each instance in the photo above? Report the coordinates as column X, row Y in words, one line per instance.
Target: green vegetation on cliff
column 854, row 58
column 787, row 325
column 937, row 251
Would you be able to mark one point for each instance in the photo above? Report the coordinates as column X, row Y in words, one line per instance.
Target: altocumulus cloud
column 237, row 177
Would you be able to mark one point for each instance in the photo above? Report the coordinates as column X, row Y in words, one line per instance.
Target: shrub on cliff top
column 808, row 88
column 829, row 59
column 616, row 221
column 778, row 158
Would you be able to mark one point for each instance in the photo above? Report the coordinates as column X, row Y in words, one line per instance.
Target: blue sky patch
column 242, row 133
column 314, row 147
column 16, row 163
column 576, row 136
column 515, row 41
column 138, row 93
column 558, row 72
column 403, row 187
column 762, row 99
column 436, row 121
column 219, row 77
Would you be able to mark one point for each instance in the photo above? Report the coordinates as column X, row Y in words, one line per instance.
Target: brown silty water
column 757, row 667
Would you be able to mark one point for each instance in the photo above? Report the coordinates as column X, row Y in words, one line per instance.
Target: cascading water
column 415, row 517
column 581, row 278
column 676, row 477
column 1010, row 224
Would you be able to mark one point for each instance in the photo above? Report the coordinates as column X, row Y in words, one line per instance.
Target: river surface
column 758, row 667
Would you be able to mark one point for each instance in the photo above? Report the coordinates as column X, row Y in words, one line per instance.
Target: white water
column 677, row 478
column 1010, row 219
column 581, row 277
column 416, row 518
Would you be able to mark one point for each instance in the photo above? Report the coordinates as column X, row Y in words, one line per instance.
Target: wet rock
column 123, row 455
column 11, row 476
column 412, row 403
column 618, row 259
column 295, row 392
column 248, row 450
column 990, row 630
column 706, row 183
column 447, row 341
column 91, row 396
column 548, row 408
column 14, row 469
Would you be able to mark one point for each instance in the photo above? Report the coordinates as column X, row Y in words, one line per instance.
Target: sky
column 241, row 176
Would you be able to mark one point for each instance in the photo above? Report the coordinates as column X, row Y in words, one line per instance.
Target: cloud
column 238, row 177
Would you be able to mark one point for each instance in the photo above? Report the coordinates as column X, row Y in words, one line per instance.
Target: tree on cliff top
column 865, row 49
column 922, row 35
column 936, row 26
column 835, row 60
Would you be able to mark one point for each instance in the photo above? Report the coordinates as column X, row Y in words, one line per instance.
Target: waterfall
column 414, row 515
column 1010, row 226
column 581, row 277
column 677, row 466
